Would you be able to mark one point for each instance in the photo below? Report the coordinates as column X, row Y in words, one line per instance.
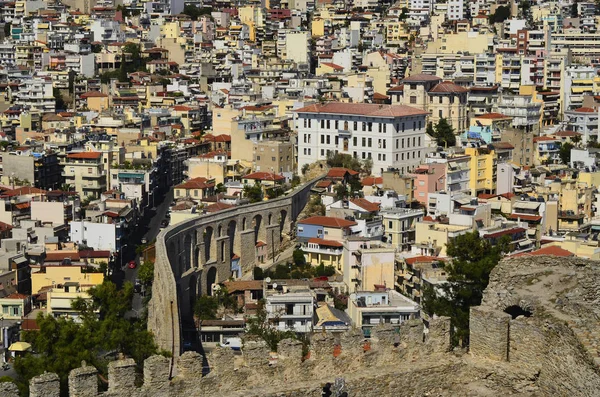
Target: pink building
column 429, row 178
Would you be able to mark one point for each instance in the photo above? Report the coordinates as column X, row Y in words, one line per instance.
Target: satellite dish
column 268, row 279
column 274, row 285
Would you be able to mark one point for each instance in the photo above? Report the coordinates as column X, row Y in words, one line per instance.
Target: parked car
column 233, row 343
column 144, row 240
column 164, row 223
column 132, row 265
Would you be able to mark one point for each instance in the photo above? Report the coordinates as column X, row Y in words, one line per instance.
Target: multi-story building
column 42, row 169
column 584, row 121
column 291, row 311
column 370, row 309
column 86, row 173
column 390, row 136
column 368, row 265
column 36, row 94
column 275, row 157
column 525, row 113
column 399, row 226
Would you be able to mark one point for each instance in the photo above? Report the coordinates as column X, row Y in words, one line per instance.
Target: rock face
column 535, row 334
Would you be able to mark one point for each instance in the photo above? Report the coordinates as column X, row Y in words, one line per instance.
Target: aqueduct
column 193, row 255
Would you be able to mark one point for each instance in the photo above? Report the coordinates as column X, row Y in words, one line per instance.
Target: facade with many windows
column 391, row 136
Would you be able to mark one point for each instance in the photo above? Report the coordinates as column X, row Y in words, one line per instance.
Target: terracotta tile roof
column 16, row 295
column 448, row 87
column 332, row 65
column 365, row 204
column 478, row 88
column 585, row 110
column 423, row 259
column 535, row 218
column 327, row 221
column 398, row 88
column 21, row 191
column 327, row 243
column 363, row 109
column 492, row 116
column 218, row 207
column 501, row 233
column 543, row 138
column 339, row 172
column 94, row 254
column 551, row 250
column 372, row 180
column 234, row 286
column 93, row 94
column 566, row 133
column 380, row 96
column 181, row 108
column 85, row 155
column 260, row 244
column 421, row 77
column 264, row 176
column 196, row 183
column 257, row 108
column 217, row 138
column 501, row 145
column 5, row 226
column 59, row 256
column 323, row 184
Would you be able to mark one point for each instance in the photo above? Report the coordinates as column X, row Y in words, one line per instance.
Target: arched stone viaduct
column 193, row 255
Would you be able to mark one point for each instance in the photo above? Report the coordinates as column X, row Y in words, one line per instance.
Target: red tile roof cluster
column 59, row 256
column 372, row 180
column 551, row 250
column 423, row 259
column 93, row 94
column 85, row 155
column 448, row 87
column 332, row 65
column 265, row 176
column 363, row 109
column 421, row 77
column 196, row 183
column 566, row 133
column 327, row 221
column 492, row 116
column 585, row 110
column 327, row 243
column 218, row 207
column 365, row 204
column 339, row 172
column 22, row 191
column 534, row 218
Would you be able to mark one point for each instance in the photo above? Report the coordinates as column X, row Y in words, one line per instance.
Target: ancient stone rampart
column 258, row 371
column 194, row 255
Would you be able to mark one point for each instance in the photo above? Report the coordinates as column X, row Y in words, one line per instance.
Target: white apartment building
column 107, row 31
column 291, row 311
column 392, row 136
column 36, row 94
column 455, row 10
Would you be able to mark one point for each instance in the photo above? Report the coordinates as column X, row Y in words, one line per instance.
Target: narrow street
column 149, row 227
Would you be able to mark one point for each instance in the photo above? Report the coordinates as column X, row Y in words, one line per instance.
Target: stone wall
column 330, row 357
column 182, row 270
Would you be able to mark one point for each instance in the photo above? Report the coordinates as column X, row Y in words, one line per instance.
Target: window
column 420, row 124
column 90, row 170
column 414, row 141
column 384, row 143
column 398, row 142
column 322, row 152
column 369, row 142
column 354, row 141
column 413, row 99
column 322, row 123
column 322, row 139
column 384, row 128
column 441, row 113
column 273, row 159
column 379, row 156
column 402, row 143
column 337, row 140
column 258, row 157
column 305, row 123
column 195, row 193
column 337, row 124
column 419, row 141
column 370, row 126
column 380, row 128
column 364, row 142
column 328, row 125
column 402, row 127
column 355, row 125
column 363, row 125
column 328, row 139
column 383, row 156
column 309, row 123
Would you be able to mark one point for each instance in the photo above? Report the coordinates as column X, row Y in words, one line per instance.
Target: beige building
column 86, row 172
column 431, row 238
column 273, row 156
column 51, row 275
column 367, row 265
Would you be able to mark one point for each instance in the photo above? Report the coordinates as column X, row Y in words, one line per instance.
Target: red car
column 132, row 265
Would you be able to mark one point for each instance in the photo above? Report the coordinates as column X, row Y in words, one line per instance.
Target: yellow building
column 472, row 42
column 431, row 238
column 328, row 68
column 328, row 252
column 47, row 276
column 15, row 306
column 222, row 120
column 96, row 101
column 197, row 188
column 170, row 30
column 581, row 248
column 86, row 173
column 62, row 296
column 318, row 27
column 483, row 170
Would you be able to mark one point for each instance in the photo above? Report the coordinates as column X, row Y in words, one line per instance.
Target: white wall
column 100, row 236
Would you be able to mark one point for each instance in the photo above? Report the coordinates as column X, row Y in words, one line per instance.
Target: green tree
column 502, row 14
column 146, row 273
column 206, row 308
column 340, row 192
column 257, row 273
column 444, row 133
column 253, row 192
column 7, row 28
column 429, row 130
column 565, row 152
column 61, row 344
column 262, row 326
column 315, row 206
column 192, row 11
column 472, row 260
column 298, row 256
column 60, row 102
column 322, row 270
column 220, row 188
column 343, row 160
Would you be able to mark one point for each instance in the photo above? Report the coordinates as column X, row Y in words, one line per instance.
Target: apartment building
column 86, row 173
column 390, row 136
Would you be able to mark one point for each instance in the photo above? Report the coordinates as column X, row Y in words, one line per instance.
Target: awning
column 19, row 347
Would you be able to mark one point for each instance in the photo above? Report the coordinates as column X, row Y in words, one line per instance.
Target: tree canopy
column 103, row 331
column 443, row 133
column 565, row 152
column 472, row 260
column 253, row 193
column 502, row 14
